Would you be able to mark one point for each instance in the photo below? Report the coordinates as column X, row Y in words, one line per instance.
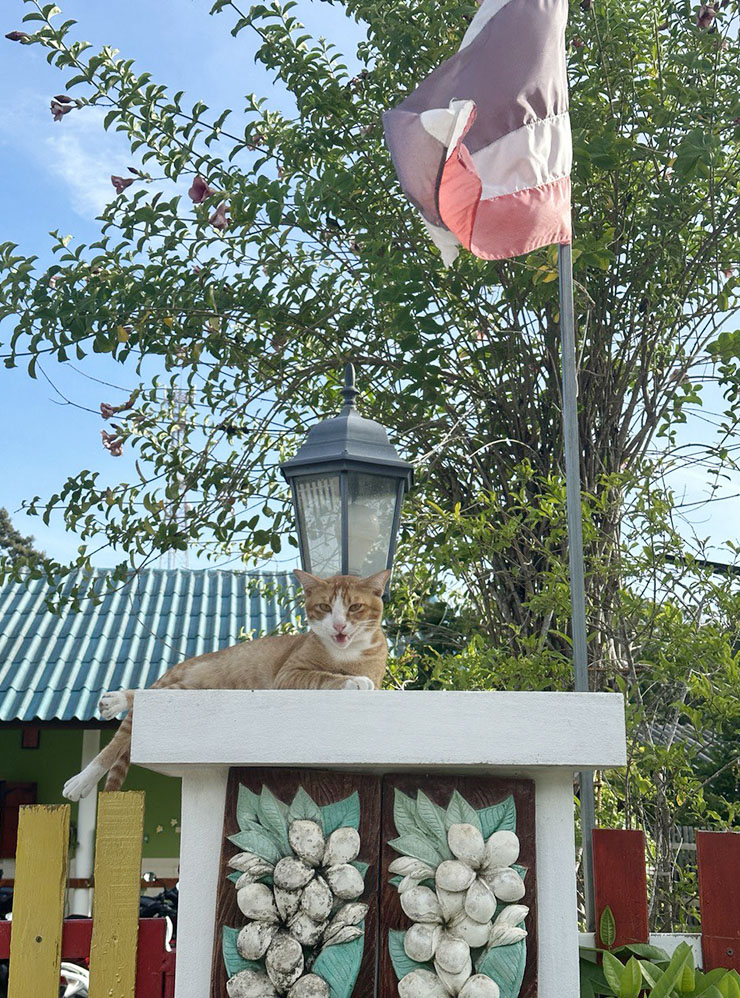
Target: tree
column 282, row 247
column 19, row 549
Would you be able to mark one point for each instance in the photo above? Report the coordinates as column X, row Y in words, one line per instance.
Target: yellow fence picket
column 38, row 901
column 116, row 897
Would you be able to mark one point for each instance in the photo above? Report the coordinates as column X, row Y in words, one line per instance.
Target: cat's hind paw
column 359, row 683
column 113, row 704
column 81, row 785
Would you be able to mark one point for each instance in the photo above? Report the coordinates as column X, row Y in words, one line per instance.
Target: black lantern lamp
column 348, row 484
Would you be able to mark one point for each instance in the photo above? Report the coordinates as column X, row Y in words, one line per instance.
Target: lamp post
column 348, row 484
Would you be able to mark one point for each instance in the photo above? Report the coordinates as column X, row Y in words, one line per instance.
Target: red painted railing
column 155, row 965
column 620, row 883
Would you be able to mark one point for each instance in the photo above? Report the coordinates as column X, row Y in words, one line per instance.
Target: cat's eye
column 356, row 606
column 324, row 607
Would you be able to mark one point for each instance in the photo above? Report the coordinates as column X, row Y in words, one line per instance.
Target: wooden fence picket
column 38, row 901
column 620, row 883
column 116, row 897
column 718, row 862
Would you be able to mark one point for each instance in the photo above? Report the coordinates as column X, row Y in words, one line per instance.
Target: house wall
column 58, row 758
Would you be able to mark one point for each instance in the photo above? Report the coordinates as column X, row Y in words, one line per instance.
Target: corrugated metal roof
column 56, row 667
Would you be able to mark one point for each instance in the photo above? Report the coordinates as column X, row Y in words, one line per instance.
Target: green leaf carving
column 521, row 870
column 257, row 840
column 362, row 867
column 339, row 966
column 498, row 817
column 404, row 814
column 607, row 927
column 460, row 812
column 416, row 845
column 505, row 965
column 233, row 960
column 273, row 816
column 304, row 807
column 431, row 817
column 402, row 964
column 247, row 806
column 342, row 814
column 233, row 877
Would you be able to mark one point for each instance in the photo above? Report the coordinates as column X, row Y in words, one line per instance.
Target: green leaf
column 257, row 840
column 729, row 987
column 460, row 812
column 647, row 952
column 650, row 972
column 233, row 877
column 359, row 865
column 342, row 814
column 339, row 966
column 630, row 984
column 671, row 975
column 687, row 977
column 273, row 815
column 418, row 846
column 607, row 927
column 498, row 817
column 505, row 965
column 402, row 964
column 233, row 960
column 404, row 813
column 247, row 806
column 613, row 973
column 304, row 807
column 432, row 819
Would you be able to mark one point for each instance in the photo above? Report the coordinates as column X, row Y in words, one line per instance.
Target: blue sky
column 57, row 176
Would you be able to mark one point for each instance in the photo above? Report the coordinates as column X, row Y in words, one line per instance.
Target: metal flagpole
column 575, row 548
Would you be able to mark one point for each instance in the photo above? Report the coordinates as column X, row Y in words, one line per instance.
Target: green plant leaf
column 607, row 927
column 341, row 814
column 613, row 972
column 273, row 815
column 728, row 986
column 630, row 984
column 687, row 978
column 505, row 965
column 431, row 817
column 460, row 812
column 257, row 840
column 650, row 972
column 404, row 814
column 339, row 966
column 498, row 817
column 402, row 964
column 233, row 960
column 417, row 845
column 671, row 975
column 304, row 807
column 647, row 952
column 247, row 806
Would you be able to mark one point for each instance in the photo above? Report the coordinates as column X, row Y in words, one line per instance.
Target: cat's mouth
column 341, row 639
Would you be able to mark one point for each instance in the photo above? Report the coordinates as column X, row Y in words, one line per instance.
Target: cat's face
column 344, row 611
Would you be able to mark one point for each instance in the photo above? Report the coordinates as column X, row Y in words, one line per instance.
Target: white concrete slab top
column 175, row 730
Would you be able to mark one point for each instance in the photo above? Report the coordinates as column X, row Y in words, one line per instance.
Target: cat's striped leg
column 86, row 781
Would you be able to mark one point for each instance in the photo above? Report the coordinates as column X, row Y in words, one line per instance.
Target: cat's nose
column 339, row 628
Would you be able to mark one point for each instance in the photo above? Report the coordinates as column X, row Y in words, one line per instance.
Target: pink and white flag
column 483, row 147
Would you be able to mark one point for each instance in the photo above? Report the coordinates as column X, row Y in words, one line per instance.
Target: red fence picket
column 620, row 883
column 718, row 860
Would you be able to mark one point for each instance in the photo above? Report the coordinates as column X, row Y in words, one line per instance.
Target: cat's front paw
column 359, row 683
column 112, row 704
column 81, row 785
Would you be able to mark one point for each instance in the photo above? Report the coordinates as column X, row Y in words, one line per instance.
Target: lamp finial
column 349, row 392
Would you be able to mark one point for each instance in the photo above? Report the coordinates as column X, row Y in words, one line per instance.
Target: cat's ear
column 378, row 582
column 306, row 579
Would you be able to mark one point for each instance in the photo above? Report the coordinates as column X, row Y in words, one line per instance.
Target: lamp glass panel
column 320, row 522
column 370, row 513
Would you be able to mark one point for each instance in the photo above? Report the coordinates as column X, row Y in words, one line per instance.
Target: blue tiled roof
column 56, row 667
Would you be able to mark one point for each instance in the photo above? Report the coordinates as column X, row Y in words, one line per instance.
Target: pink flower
column 107, row 410
column 59, row 110
column 17, row 36
column 705, row 15
column 219, row 219
column 114, row 445
column 200, row 190
column 121, row 184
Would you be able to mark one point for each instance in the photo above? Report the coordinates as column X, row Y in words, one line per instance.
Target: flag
column 482, row 147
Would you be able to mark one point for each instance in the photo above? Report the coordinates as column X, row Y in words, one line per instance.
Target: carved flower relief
column 461, row 909
column 297, row 906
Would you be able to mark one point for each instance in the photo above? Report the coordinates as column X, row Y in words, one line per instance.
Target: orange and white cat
column 344, row 649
